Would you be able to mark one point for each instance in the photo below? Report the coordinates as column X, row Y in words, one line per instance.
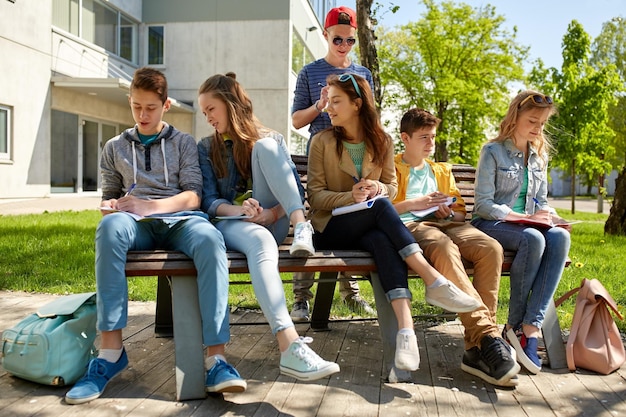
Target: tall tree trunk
column 367, row 46
column 441, row 146
column 573, row 186
column 616, row 223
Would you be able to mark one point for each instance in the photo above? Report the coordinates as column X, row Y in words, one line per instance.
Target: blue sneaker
column 222, row 377
column 92, row 384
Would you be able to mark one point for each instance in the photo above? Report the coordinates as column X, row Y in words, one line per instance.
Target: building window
column 156, row 45
column 65, row 15
column 97, row 23
column 5, row 133
column 300, row 54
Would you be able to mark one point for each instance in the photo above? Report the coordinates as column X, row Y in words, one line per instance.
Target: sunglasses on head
column 537, row 99
column 345, row 77
column 338, row 40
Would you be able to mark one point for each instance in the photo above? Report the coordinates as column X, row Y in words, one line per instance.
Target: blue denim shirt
column 217, row 191
column 499, row 180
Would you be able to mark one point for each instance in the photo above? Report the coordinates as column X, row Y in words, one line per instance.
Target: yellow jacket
column 443, row 175
column 330, row 178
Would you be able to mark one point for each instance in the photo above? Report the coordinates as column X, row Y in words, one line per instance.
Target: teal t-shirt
column 520, row 203
column 147, row 139
column 421, row 182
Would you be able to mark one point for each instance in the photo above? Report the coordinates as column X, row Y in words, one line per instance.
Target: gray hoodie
column 163, row 169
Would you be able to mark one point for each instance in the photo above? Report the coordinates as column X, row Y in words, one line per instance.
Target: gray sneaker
column 449, row 297
column 300, row 311
column 359, row 306
column 302, row 244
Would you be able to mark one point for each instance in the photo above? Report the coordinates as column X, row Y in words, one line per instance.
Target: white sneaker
column 299, row 361
column 407, row 353
column 449, row 297
column 302, row 240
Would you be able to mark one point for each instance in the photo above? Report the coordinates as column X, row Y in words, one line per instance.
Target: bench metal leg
column 323, row 301
column 187, row 339
column 163, row 319
column 553, row 340
column 388, row 327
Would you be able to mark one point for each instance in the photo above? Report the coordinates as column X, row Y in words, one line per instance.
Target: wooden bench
column 178, row 312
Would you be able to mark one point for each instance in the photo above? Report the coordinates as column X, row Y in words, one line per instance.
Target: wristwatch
column 450, row 216
column 317, row 108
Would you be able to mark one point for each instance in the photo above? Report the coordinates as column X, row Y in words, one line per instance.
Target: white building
column 66, row 67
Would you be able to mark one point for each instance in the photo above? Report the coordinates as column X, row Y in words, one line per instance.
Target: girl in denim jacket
column 510, row 194
column 248, row 174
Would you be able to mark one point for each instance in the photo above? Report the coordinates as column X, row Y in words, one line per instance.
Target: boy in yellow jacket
column 445, row 237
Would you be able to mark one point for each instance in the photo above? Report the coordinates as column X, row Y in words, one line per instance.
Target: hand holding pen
column 540, row 213
column 361, row 190
column 321, row 104
column 130, row 189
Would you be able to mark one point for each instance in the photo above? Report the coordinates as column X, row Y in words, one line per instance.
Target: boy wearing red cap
column 311, row 97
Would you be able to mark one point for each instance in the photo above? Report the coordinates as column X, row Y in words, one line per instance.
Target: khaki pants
column 444, row 244
column 303, row 281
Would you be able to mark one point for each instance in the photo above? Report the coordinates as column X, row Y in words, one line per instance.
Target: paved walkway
column 59, row 202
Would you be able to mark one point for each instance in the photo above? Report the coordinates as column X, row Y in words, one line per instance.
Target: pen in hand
column 130, row 189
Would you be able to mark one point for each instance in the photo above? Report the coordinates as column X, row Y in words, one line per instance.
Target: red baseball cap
column 341, row 15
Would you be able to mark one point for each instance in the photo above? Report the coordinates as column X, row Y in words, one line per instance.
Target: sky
column 541, row 24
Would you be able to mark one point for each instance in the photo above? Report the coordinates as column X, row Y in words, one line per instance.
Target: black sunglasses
column 537, row 99
column 338, row 40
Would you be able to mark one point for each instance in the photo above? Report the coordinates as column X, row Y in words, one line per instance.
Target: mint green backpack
column 54, row 345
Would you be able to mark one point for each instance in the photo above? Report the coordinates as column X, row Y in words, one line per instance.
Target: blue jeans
column 196, row 237
column 273, row 183
column 379, row 231
column 536, row 269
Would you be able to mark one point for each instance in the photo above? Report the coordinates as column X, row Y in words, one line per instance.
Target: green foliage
column 580, row 131
column 609, row 48
column 457, row 62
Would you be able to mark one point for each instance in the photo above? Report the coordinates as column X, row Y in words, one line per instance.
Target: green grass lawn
column 54, row 253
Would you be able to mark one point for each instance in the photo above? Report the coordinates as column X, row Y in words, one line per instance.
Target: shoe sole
column 453, row 309
column 522, row 358
column 507, row 380
column 333, row 368
column 299, row 319
column 76, row 401
column 228, row 386
column 301, row 253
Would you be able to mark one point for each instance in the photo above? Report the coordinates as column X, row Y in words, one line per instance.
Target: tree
column 580, row 130
column 609, row 48
column 458, row 62
column 367, row 44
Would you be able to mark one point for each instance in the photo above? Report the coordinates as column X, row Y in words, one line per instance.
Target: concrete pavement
column 91, row 201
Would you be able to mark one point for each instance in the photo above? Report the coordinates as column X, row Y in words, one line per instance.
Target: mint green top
column 356, row 152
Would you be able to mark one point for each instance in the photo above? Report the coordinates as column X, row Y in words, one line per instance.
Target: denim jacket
column 217, row 191
column 499, row 180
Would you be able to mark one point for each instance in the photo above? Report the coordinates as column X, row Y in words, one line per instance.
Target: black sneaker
column 492, row 363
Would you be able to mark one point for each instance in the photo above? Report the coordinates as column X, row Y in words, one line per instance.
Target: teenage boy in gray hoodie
column 152, row 170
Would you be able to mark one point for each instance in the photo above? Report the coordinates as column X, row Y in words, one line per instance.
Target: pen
column 320, row 84
column 537, row 205
column 130, row 189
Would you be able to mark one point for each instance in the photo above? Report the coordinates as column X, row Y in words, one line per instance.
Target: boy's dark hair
column 416, row 119
column 150, row 79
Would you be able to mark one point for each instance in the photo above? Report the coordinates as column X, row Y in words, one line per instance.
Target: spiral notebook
column 337, row 211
